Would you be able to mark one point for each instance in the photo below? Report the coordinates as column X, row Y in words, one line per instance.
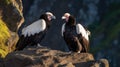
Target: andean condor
column 75, row 35
column 35, row 32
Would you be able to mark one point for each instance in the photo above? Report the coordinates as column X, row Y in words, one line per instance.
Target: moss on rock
column 4, row 35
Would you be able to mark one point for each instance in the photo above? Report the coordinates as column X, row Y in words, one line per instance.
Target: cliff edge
column 45, row 57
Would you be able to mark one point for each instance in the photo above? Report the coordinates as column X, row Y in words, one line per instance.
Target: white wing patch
column 63, row 28
column 35, row 27
column 80, row 29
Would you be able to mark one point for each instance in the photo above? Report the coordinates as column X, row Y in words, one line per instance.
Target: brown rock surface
column 11, row 16
column 11, row 13
column 44, row 57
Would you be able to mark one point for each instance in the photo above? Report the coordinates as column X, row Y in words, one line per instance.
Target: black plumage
column 34, row 33
column 70, row 35
column 74, row 40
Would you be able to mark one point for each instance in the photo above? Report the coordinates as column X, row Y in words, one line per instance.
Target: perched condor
column 35, row 32
column 75, row 35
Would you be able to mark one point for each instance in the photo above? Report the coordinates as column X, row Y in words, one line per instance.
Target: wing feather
column 35, row 27
column 63, row 29
column 81, row 30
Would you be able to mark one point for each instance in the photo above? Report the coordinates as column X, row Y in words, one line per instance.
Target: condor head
column 70, row 20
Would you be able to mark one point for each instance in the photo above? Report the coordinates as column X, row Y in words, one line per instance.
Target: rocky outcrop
column 11, row 13
column 11, row 19
column 44, row 57
column 101, row 16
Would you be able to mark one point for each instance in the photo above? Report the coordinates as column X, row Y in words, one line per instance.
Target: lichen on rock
column 4, row 35
column 10, row 20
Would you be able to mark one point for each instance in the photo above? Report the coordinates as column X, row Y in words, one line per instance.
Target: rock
column 12, row 18
column 44, row 57
column 94, row 63
column 12, row 41
column 11, row 11
column 67, row 65
column 103, row 63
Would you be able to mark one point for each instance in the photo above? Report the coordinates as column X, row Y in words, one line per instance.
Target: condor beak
column 63, row 17
column 53, row 17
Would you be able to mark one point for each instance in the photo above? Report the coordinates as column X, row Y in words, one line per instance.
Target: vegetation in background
column 4, row 35
column 110, row 27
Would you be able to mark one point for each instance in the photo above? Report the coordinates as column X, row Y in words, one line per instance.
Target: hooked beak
column 53, row 17
column 63, row 17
